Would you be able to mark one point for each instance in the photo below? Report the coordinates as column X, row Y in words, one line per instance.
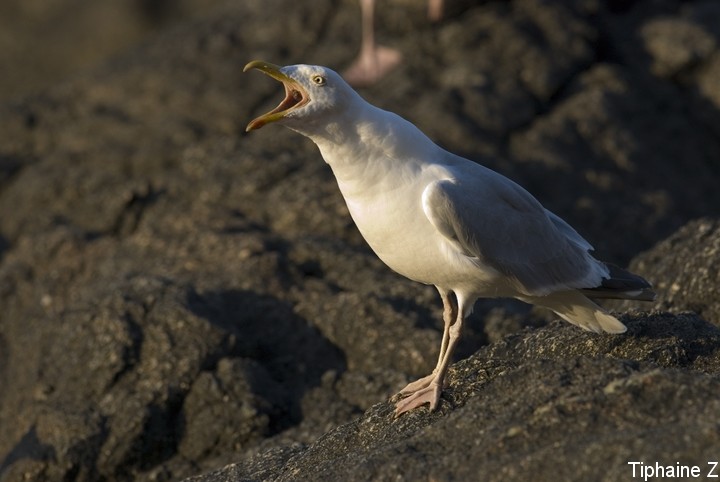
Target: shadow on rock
column 28, row 447
column 264, row 329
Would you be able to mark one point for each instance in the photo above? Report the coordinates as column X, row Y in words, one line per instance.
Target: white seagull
column 440, row 219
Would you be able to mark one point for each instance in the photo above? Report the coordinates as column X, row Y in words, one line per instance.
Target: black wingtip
column 622, row 285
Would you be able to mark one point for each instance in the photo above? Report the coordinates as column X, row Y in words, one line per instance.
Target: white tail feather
column 576, row 308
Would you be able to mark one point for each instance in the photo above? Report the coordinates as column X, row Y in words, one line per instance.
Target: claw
column 417, row 385
column 430, row 394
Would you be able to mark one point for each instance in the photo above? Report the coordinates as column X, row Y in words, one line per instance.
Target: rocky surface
column 46, row 42
column 686, row 270
column 181, row 299
column 550, row 405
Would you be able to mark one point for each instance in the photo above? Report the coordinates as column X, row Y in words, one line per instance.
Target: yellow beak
column 295, row 94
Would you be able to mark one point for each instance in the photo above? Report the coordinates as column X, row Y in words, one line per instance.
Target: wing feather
column 495, row 221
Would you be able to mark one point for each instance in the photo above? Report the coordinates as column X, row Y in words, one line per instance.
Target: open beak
column 295, row 94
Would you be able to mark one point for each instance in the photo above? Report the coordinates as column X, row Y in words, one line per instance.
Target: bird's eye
column 318, row 80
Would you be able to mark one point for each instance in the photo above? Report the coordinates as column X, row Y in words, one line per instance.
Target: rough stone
column 685, row 269
column 178, row 297
column 597, row 403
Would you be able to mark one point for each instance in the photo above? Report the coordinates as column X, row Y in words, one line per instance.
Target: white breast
column 392, row 221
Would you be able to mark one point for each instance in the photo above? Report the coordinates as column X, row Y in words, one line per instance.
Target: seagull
column 439, row 219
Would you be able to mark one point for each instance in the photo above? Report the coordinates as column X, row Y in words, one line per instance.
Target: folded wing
column 488, row 217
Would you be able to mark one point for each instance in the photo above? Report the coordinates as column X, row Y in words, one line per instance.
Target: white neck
column 364, row 142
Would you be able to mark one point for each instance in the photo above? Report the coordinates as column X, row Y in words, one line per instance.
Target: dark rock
column 178, row 296
column 552, row 404
column 685, row 269
column 48, row 41
column 607, row 136
column 242, row 389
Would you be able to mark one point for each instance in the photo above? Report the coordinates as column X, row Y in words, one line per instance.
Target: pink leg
column 449, row 315
column 374, row 60
column 435, row 10
column 432, row 390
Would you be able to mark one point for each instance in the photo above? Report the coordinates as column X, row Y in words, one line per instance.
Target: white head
column 312, row 94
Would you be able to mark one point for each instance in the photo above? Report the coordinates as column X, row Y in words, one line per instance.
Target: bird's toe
column 429, row 394
column 413, row 387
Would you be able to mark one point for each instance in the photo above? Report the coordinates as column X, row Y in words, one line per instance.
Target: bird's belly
column 405, row 240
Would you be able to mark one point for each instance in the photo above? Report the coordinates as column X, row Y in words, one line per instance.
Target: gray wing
column 569, row 231
column 490, row 218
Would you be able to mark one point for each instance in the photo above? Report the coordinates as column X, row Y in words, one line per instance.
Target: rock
column 628, row 147
column 179, row 297
column 242, row 389
column 64, row 30
column 676, row 45
column 553, row 403
column 685, row 269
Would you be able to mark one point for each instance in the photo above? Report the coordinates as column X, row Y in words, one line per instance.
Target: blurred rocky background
column 180, row 299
